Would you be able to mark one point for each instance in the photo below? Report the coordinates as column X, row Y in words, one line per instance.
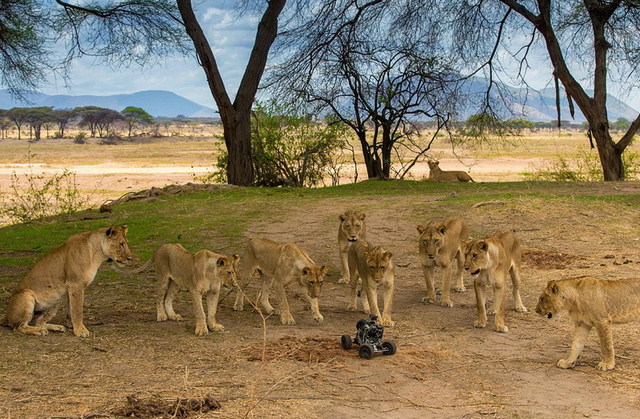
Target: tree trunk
column 610, row 155
column 237, row 135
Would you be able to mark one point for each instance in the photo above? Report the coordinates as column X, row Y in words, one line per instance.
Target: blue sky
column 231, row 38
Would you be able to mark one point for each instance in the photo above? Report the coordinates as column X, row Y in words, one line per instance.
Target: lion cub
column 375, row 267
column 278, row 265
column 68, row 270
column 439, row 246
column 590, row 303
column 489, row 260
column 351, row 229
column 201, row 273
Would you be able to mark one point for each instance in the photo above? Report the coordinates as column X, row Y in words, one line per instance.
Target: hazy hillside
column 533, row 105
column 156, row 102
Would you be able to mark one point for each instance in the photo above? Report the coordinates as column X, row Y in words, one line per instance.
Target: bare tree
column 600, row 37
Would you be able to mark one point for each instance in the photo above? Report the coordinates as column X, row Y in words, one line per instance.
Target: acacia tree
column 134, row 116
column 479, row 30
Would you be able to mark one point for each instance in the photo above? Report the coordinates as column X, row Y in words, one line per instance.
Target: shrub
column 289, row 149
column 80, row 138
column 585, row 167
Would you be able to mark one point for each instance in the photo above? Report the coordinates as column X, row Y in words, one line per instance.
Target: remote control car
column 369, row 337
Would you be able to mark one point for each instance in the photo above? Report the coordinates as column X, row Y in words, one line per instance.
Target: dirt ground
column 444, row 366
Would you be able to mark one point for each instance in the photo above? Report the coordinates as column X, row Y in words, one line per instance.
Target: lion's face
column 115, row 244
column 313, row 278
column 476, row 256
column 433, row 164
column 378, row 260
column 352, row 225
column 431, row 238
column 227, row 270
column 550, row 303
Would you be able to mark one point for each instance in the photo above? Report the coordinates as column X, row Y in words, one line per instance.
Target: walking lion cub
column 278, row 265
column 439, row 246
column 351, row 229
column 489, row 261
column 68, row 270
column 591, row 303
column 201, row 273
column 376, row 269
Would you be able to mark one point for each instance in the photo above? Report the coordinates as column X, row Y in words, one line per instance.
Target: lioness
column 201, row 273
column 375, row 267
column 352, row 228
column 438, row 175
column 65, row 271
column 439, row 246
column 591, row 302
column 278, row 265
column 489, row 260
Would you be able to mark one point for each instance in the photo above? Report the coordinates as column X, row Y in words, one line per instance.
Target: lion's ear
column 421, row 229
column 342, row 217
column 464, row 245
column 442, row 229
column 324, row 270
column 111, row 232
column 362, row 216
column 554, row 288
column 387, row 255
column 221, row 262
column 306, row 271
column 236, row 258
column 125, row 228
column 483, row 245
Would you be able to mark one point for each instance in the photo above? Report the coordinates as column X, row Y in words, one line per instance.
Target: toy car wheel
column 360, row 323
column 366, row 351
column 346, row 342
column 388, row 348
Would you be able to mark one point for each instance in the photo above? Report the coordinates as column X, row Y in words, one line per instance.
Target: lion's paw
column 81, row 332
column 217, row 327
column 386, row 321
column 318, row 317
column 565, row 364
column 480, row 324
column 343, row 280
column 428, row 299
column 606, row 366
column 352, row 307
column 502, row 329
column 287, row 319
column 238, row 307
column 460, row 289
column 446, row 303
column 175, row 317
column 162, row 318
column 522, row 309
column 202, row 330
column 56, row 328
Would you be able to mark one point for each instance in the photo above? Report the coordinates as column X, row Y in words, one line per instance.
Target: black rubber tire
column 346, row 342
column 389, row 348
column 360, row 323
column 366, row 351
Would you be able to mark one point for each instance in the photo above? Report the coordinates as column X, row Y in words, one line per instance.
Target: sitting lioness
column 65, row 271
column 590, row 303
column 277, row 265
column 375, row 267
column 489, row 260
column 439, row 246
column 351, row 229
column 438, row 175
column 201, row 273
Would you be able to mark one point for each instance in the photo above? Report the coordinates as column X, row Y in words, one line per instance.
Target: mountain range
column 509, row 102
column 155, row 102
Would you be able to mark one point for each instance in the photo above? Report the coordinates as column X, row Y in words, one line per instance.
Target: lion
column 68, row 270
column 375, row 267
column 438, row 175
column 278, row 265
column 590, row 303
column 201, row 273
column 352, row 228
column 439, row 246
column 489, row 260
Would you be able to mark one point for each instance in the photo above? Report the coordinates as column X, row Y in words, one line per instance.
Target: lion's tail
column 132, row 271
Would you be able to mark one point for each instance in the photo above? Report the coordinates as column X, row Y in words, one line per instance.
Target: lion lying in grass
column 68, row 270
column 590, row 303
column 438, row 175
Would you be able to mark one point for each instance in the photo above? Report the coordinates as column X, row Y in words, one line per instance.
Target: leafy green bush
column 289, row 149
column 80, row 138
column 585, row 167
